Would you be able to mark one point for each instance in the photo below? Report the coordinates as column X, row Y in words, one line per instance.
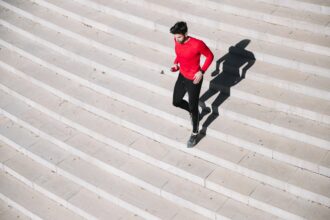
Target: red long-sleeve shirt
column 188, row 56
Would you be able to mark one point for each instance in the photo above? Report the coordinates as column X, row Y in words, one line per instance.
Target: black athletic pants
column 182, row 86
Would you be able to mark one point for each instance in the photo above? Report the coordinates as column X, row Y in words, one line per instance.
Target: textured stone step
column 274, row 74
column 118, row 25
column 317, row 6
column 31, row 203
column 67, row 114
column 164, row 12
column 109, row 187
column 298, row 82
column 303, row 83
column 73, row 69
column 266, row 51
column 120, row 164
column 99, row 123
column 252, row 93
column 9, row 213
column 290, row 17
column 232, row 209
column 150, row 102
column 28, row 164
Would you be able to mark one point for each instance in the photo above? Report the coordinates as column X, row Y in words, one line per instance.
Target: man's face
column 180, row 38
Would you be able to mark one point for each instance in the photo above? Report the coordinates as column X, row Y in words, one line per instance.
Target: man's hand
column 198, row 77
column 175, row 68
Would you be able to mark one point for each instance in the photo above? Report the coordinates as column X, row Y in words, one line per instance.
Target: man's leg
column 179, row 92
column 193, row 93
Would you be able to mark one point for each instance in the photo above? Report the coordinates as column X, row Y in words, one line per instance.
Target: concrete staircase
column 88, row 130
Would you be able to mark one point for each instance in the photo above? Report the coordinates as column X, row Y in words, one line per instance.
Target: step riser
column 236, row 93
column 255, row 76
column 174, row 119
column 207, row 22
column 215, row 44
column 170, row 117
column 266, row 152
column 275, row 129
column 19, row 207
column 78, row 58
column 76, row 180
column 294, row 87
column 39, row 188
column 281, row 106
column 213, row 186
column 268, row 206
column 305, row 6
column 104, row 166
column 102, row 90
column 288, row 22
column 273, row 210
column 165, row 140
column 100, row 165
column 141, row 41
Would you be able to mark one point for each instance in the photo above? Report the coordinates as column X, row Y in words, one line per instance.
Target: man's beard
column 184, row 39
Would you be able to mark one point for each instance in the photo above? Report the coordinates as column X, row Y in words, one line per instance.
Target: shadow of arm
column 217, row 70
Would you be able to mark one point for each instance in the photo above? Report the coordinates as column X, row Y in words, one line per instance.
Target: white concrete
column 86, row 93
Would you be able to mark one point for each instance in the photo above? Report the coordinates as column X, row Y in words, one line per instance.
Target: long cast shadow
column 233, row 66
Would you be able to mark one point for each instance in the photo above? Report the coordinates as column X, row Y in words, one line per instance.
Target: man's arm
column 209, row 56
column 176, row 60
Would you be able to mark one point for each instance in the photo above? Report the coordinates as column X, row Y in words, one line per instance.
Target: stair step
column 268, row 12
column 165, row 12
column 86, row 103
column 116, row 189
column 253, row 93
column 274, row 73
column 265, row 51
column 55, row 186
column 149, row 102
column 244, row 161
column 319, row 6
column 45, row 152
column 108, row 156
column 10, row 213
column 29, row 202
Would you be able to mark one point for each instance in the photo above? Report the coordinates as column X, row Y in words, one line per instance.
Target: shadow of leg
column 205, row 110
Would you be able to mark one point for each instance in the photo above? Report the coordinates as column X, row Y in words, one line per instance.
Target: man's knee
column 176, row 102
column 193, row 108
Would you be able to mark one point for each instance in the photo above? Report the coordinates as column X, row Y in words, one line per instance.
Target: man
column 190, row 78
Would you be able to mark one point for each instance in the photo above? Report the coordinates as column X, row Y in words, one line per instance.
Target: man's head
column 180, row 30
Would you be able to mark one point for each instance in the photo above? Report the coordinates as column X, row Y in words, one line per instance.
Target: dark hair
column 180, row 27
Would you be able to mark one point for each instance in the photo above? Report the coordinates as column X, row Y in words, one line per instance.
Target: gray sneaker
column 192, row 140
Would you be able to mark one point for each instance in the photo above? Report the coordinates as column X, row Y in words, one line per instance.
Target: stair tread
column 88, row 95
column 72, row 161
column 106, row 81
column 142, row 95
column 98, row 178
column 221, row 37
column 32, row 200
column 180, row 188
column 274, row 10
column 272, row 70
column 226, row 18
column 69, row 191
column 9, row 213
column 250, row 86
column 138, row 119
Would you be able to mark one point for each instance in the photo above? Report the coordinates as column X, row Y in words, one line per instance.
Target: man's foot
column 192, row 140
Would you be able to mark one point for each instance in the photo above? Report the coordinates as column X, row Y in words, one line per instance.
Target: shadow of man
column 234, row 66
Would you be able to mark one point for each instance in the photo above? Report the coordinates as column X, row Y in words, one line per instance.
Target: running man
column 190, row 78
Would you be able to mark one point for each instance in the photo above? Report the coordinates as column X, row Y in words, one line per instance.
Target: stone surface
column 85, row 91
